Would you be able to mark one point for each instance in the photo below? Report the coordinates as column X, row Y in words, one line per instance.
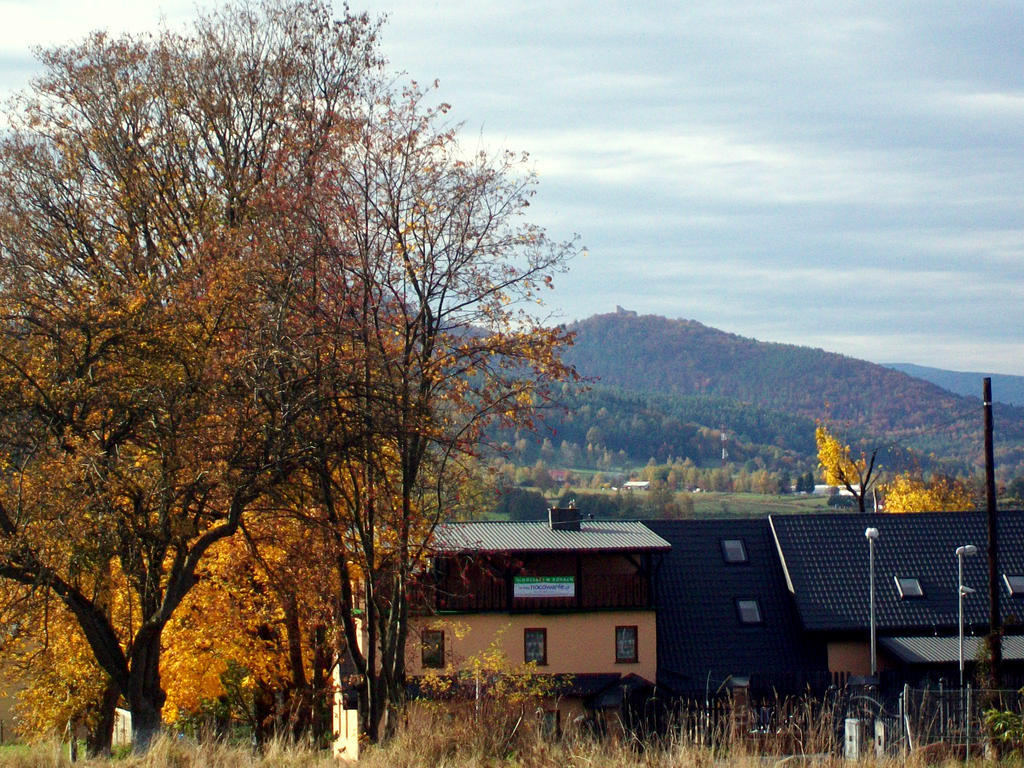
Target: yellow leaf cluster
column 501, row 679
column 835, row 461
column 46, row 652
column 910, row 493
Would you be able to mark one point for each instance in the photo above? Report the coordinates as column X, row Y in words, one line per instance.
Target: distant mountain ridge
column 683, row 358
column 1005, row 388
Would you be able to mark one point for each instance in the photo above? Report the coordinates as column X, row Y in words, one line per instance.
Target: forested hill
column 1005, row 389
column 683, row 358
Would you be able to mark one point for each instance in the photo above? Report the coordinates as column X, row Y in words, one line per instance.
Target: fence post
column 943, row 719
column 476, row 705
column 967, row 750
column 906, row 714
column 900, row 709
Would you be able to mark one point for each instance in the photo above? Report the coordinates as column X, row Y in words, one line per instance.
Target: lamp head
column 871, row 534
column 966, row 550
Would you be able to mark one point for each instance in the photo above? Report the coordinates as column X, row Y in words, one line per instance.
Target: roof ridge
column 542, row 521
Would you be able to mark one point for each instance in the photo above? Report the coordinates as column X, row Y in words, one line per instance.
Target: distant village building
column 559, row 475
column 543, row 592
column 832, row 490
column 636, row 485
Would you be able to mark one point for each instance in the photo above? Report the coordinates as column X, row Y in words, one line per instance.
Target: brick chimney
column 564, row 519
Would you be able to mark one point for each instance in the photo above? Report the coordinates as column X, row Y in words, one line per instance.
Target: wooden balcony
column 595, row 592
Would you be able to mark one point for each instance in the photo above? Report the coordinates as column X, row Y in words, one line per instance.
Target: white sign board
column 544, row 586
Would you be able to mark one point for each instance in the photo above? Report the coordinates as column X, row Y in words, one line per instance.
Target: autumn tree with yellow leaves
column 45, row 650
column 240, row 271
column 855, row 474
column 252, row 639
column 910, row 492
column 905, row 492
column 148, row 391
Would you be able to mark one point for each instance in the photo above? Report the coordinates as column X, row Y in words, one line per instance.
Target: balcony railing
column 493, row 594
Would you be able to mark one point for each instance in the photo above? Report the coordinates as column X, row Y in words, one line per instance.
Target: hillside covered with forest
column 662, row 388
column 1005, row 389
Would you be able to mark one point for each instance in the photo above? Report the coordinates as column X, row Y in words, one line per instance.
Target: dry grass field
column 443, row 739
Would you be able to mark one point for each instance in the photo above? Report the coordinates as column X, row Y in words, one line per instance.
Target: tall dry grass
column 454, row 738
column 169, row 751
column 460, row 737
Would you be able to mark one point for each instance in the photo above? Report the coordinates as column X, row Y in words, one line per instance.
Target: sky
column 843, row 175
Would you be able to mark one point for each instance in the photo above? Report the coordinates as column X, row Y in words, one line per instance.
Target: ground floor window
column 625, row 645
column 535, row 645
column 432, row 648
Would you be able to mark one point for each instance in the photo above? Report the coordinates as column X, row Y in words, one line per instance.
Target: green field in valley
column 706, row 505
column 712, row 504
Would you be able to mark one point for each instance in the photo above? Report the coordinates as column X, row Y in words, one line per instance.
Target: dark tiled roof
column 588, row 684
column 826, row 561
column 505, row 536
column 701, row 641
column 946, row 650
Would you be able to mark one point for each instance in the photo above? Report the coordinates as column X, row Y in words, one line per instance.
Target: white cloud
column 53, row 22
column 847, row 174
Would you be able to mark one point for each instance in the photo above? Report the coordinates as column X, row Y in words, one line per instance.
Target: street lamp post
column 871, row 534
column 965, row 551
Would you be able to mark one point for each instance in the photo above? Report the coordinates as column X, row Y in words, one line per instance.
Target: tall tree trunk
column 263, row 715
column 101, row 735
column 372, row 677
column 145, row 695
column 146, row 721
column 299, row 715
column 321, row 689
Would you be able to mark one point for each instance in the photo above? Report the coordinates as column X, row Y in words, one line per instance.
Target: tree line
column 602, row 427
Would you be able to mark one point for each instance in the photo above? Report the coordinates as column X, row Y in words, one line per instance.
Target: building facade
column 571, row 598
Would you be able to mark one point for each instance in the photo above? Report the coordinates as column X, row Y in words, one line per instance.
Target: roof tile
column 701, row 641
column 826, row 559
column 537, row 536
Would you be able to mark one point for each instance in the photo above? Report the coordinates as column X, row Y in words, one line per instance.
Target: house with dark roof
column 781, row 604
column 725, row 617
column 573, row 598
column 694, row 608
column 824, row 559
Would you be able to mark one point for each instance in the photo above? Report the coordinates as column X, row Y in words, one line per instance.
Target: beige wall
column 577, row 643
column 854, row 657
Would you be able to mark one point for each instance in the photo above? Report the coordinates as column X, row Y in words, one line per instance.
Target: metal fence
column 857, row 721
column 952, row 716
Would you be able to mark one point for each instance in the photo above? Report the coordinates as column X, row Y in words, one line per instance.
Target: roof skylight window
column 908, row 587
column 749, row 611
column 734, row 551
column 1014, row 584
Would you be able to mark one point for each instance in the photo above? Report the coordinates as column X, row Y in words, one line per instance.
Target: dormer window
column 734, row 551
column 1014, row 584
column 908, row 587
column 749, row 611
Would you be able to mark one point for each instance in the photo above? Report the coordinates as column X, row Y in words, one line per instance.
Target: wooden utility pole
column 995, row 640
